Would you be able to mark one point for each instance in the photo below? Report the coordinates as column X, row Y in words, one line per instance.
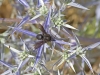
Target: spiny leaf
column 76, row 39
column 62, row 42
column 35, row 17
column 39, row 71
column 77, row 5
column 24, row 3
column 59, row 72
column 40, row 2
column 22, row 63
column 23, row 21
column 47, row 21
column 25, row 31
column 91, row 46
column 67, row 34
column 71, row 65
column 40, row 49
column 18, row 72
column 87, row 62
column 69, row 26
column 13, row 49
column 6, row 64
column 61, row 62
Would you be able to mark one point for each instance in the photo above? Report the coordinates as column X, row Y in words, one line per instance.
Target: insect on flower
column 43, row 38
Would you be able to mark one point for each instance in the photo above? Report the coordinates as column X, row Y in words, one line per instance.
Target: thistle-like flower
column 42, row 39
column 58, row 22
column 45, row 15
column 24, row 57
column 77, row 50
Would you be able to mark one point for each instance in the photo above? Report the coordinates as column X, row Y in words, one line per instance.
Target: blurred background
column 87, row 23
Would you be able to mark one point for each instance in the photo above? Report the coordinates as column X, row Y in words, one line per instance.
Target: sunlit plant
column 31, row 54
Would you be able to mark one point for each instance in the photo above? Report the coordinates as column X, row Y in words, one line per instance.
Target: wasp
column 44, row 37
